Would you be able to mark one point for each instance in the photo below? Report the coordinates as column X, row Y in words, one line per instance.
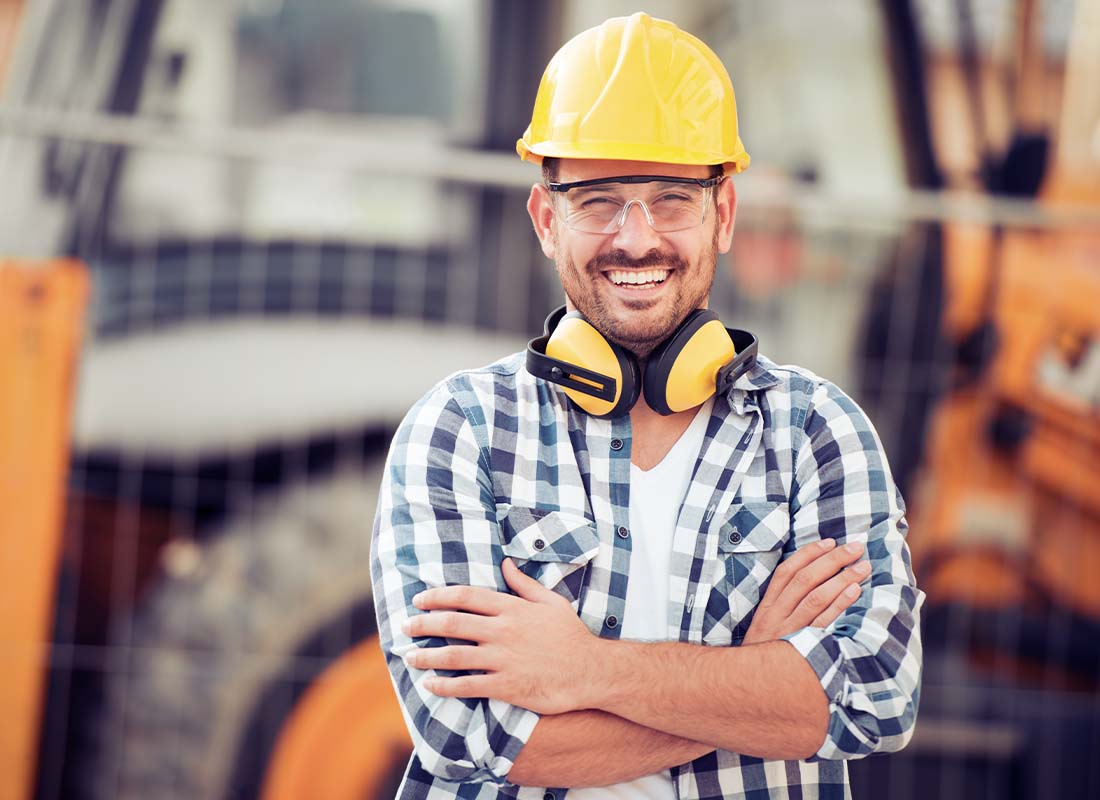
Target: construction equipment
column 41, row 324
column 1007, row 515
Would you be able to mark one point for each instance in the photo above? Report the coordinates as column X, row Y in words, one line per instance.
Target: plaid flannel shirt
column 494, row 463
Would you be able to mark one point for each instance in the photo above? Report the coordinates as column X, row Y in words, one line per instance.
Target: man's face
column 599, row 271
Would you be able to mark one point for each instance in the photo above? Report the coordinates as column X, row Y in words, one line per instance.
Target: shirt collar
column 758, row 377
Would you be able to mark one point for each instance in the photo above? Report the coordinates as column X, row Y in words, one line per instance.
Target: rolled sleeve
column 869, row 659
column 436, row 525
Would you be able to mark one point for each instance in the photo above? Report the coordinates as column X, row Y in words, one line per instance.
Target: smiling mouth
column 637, row 277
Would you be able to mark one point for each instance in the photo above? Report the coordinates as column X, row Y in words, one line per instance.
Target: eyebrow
column 585, row 190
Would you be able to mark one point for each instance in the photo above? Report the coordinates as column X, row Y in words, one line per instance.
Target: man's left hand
column 532, row 649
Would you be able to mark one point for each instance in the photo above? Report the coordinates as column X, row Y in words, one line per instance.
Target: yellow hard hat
column 636, row 88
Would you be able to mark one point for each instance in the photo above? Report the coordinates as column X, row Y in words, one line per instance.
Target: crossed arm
column 436, row 527
column 612, row 710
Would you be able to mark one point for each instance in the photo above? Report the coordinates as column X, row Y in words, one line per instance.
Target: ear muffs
column 682, row 371
column 701, row 357
column 599, row 376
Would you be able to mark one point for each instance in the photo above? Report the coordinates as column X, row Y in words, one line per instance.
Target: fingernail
column 861, row 567
column 406, row 626
column 410, row 658
column 853, row 590
column 854, row 547
column 827, row 544
column 417, row 598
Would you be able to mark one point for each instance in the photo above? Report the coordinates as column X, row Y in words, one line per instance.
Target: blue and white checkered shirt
column 494, row 463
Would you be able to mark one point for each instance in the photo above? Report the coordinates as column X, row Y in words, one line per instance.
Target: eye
column 598, row 200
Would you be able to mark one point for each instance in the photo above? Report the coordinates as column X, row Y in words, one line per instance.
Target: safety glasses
column 601, row 205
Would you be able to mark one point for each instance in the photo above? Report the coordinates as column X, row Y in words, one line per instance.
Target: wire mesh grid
column 237, row 397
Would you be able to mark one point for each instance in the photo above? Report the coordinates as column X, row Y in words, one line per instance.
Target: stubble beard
column 579, row 287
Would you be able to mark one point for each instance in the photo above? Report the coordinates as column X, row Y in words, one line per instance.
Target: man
column 578, row 603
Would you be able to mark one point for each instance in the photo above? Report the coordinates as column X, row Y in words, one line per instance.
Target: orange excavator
column 1006, row 511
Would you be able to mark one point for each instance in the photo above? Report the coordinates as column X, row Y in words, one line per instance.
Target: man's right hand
column 811, row 588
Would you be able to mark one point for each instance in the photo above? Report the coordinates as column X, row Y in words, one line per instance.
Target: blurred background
column 238, row 238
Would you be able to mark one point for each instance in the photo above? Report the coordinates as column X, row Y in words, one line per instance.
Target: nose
column 635, row 235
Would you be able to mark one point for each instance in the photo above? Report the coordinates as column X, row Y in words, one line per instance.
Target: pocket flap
column 755, row 526
column 536, row 534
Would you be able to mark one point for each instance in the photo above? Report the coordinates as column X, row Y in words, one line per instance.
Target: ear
column 540, row 205
column 726, row 207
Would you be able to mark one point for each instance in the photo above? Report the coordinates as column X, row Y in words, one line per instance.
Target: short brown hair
column 549, row 169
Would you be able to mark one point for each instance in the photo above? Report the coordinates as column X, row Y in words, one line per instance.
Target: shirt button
column 623, row 532
column 616, row 444
column 539, row 544
column 612, row 621
column 735, row 537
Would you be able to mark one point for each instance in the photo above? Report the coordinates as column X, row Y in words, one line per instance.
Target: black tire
column 226, row 644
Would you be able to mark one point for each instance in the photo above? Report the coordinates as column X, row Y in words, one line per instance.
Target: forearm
column 762, row 700
column 595, row 748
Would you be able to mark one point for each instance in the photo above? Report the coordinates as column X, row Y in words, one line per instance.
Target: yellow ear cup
column 575, row 341
column 691, row 379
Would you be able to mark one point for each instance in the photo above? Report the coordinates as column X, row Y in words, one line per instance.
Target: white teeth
column 636, row 277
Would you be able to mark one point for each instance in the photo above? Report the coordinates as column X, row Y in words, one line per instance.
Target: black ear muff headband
column 747, row 345
column 673, row 360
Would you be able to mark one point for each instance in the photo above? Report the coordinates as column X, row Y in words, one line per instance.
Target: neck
column 653, row 435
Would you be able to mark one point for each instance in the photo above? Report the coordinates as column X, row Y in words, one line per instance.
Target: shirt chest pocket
column 750, row 546
column 553, row 547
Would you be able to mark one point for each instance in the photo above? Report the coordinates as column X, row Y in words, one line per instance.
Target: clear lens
column 602, row 208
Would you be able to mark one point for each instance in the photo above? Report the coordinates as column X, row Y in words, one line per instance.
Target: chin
column 640, row 342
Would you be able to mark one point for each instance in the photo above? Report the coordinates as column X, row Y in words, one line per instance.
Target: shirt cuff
column 822, row 653
column 520, row 723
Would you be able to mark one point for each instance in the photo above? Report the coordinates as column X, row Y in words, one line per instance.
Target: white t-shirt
column 655, row 499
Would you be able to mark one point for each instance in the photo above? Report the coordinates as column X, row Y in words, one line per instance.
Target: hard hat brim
column 732, row 163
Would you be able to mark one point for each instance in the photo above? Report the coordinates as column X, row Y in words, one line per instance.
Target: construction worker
column 640, row 560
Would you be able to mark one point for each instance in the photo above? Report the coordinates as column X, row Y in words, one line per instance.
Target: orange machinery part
column 345, row 737
column 41, row 313
column 995, row 522
column 11, row 14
